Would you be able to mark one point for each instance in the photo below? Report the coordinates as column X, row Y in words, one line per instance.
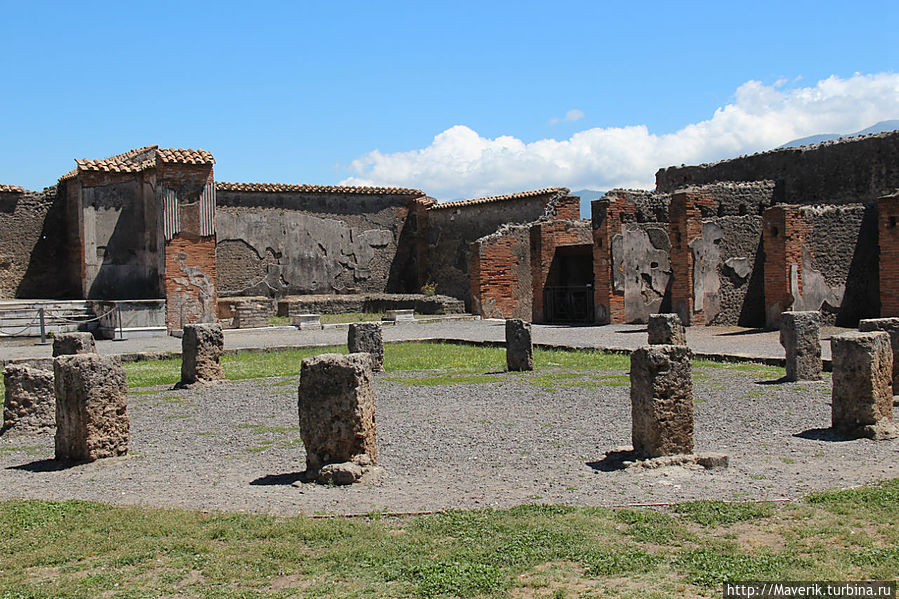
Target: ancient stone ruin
column 30, row 401
column 519, row 348
column 67, row 344
column 801, row 338
column 862, row 398
column 890, row 326
column 365, row 337
column 91, row 407
column 336, row 404
column 662, row 400
column 666, row 329
column 202, row 346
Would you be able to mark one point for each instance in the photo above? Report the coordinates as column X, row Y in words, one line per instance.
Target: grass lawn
column 78, row 549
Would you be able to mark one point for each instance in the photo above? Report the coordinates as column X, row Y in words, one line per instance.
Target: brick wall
column 189, row 280
column 501, row 274
column 888, row 236
column 609, row 212
column 546, row 236
column 783, row 236
column 686, row 212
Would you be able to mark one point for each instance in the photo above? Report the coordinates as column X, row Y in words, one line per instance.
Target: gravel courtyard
column 495, row 440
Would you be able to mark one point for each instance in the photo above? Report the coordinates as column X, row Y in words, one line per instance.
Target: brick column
column 685, row 225
column 608, row 301
column 782, row 242
column 888, row 239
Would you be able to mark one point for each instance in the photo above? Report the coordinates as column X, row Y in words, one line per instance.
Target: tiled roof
column 512, row 196
column 188, row 156
column 11, row 189
column 140, row 159
column 285, row 187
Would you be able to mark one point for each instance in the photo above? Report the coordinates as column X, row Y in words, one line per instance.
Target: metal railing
column 42, row 316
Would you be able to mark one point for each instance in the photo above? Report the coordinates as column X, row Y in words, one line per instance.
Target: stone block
column 306, row 322
column 251, row 315
column 202, row 346
column 890, row 326
column 91, row 407
column 365, row 337
column 519, row 348
column 800, row 335
column 336, row 405
column 666, row 329
column 662, row 400
column 400, row 316
column 862, row 398
column 67, row 344
column 30, row 401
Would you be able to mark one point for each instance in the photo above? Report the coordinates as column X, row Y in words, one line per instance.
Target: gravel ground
column 522, row 438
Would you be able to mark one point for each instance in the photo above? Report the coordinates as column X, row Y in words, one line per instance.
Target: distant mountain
column 821, row 137
column 587, row 196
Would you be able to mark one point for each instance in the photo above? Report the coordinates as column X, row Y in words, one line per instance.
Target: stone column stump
column 30, row 401
column 800, row 337
column 67, row 344
column 662, row 400
column 891, row 326
column 666, row 329
column 201, row 347
column 519, row 348
column 365, row 337
column 862, row 399
column 91, row 407
column 336, row 404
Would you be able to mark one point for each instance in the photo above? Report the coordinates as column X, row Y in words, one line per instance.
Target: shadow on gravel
column 823, row 434
column 614, row 460
column 273, row 480
column 746, row 332
column 46, row 466
column 779, row 381
column 643, row 330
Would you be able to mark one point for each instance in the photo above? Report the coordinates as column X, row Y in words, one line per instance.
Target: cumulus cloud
column 460, row 163
column 575, row 114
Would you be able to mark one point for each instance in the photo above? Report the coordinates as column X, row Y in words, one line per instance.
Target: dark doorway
column 568, row 295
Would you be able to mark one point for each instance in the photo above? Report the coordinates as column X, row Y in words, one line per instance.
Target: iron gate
column 568, row 303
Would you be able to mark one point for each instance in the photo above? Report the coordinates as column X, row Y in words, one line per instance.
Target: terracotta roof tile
column 11, row 189
column 185, row 156
column 285, row 187
column 512, row 196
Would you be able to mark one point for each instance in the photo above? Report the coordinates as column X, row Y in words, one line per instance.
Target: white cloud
column 575, row 114
column 461, row 163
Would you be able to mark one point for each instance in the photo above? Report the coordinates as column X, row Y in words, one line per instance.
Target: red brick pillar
column 608, row 302
column 685, row 225
column 888, row 239
column 782, row 243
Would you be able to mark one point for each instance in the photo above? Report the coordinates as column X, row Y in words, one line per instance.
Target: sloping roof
column 11, row 189
column 512, row 196
column 140, row 159
column 285, row 187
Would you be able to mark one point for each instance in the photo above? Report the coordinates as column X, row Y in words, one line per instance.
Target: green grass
column 78, row 549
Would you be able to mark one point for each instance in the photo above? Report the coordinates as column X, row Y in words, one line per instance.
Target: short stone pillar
column 862, row 399
column 91, row 407
column 67, row 344
column 662, row 400
column 398, row 316
column 30, row 400
column 201, row 347
column 306, row 322
column 890, row 326
column 666, row 329
column 519, row 348
column 800, row 335
column 365, row 337
column 336, row 404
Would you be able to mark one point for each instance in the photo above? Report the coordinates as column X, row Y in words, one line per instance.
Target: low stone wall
column 369, row 303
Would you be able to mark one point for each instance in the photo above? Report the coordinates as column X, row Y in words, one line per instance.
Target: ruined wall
column 34, row 260
column 501, row 274
column 451, row 228
column 548, row 236
column 853, row 170
column 888, row 241
column 276, row 243
column 120, row 236
column 738, row 270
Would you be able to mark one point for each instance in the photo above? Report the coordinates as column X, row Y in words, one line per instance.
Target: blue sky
column 457, row 98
